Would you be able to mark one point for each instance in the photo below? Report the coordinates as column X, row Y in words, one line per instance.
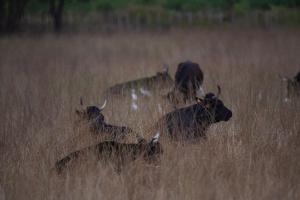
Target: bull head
column 91, row 112
column 215, row 107
column 201, row 99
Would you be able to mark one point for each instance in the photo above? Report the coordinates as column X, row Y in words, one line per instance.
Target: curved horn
column 104, row 104
column 219, row 91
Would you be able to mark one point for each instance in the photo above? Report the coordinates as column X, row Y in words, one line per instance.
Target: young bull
column 94, row 117
column 114, row 151
column 192, row 122
column 188, row 81
column 145, row 86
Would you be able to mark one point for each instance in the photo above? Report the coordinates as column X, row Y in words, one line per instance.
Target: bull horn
column 219, row 91
column 104, row 104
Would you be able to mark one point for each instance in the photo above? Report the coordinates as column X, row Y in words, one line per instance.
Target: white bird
column 286, row 100
column 134, row 106
column 159, row 108
column 145, row 92
column 133, row 95
column 156, row 137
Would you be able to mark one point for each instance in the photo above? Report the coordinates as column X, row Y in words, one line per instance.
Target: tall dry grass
column 253, row 156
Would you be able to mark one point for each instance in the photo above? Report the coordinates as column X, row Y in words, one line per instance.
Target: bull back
column 162, row 80
column 114, row 151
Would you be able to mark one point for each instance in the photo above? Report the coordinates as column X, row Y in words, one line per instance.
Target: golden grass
column 253, row 156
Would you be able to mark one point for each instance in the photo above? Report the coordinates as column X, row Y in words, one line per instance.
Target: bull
column 188, row 81
column 114, row 151
column 144, row 86
column 191, row 122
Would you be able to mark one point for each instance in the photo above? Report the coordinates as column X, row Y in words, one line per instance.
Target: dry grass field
column 255, row 155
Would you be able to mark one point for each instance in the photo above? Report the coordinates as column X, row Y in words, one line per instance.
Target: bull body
column 192, row 122
column 114, row 151
column 160, row 81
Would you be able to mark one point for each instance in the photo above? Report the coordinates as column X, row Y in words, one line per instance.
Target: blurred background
column 109, row 15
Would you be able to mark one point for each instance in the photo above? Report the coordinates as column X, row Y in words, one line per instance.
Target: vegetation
column 12, row 11
column 179, row 5
column 255, row 155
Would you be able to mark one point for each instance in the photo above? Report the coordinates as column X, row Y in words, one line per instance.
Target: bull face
column 215, row 107
column 92, row 114
column 153, row 149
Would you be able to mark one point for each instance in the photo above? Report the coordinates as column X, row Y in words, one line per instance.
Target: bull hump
column 188, row 71
column 184, row 112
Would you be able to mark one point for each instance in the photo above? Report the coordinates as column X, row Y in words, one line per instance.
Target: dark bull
column 192, row 122
column 146, row 85
column 188, row 81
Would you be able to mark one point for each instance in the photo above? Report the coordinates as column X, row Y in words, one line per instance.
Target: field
column 255, row 155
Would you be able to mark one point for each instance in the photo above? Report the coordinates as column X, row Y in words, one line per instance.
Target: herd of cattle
column 183, row 123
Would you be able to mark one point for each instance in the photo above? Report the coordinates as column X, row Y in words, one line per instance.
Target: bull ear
column 155, row 138
column 103, row 106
